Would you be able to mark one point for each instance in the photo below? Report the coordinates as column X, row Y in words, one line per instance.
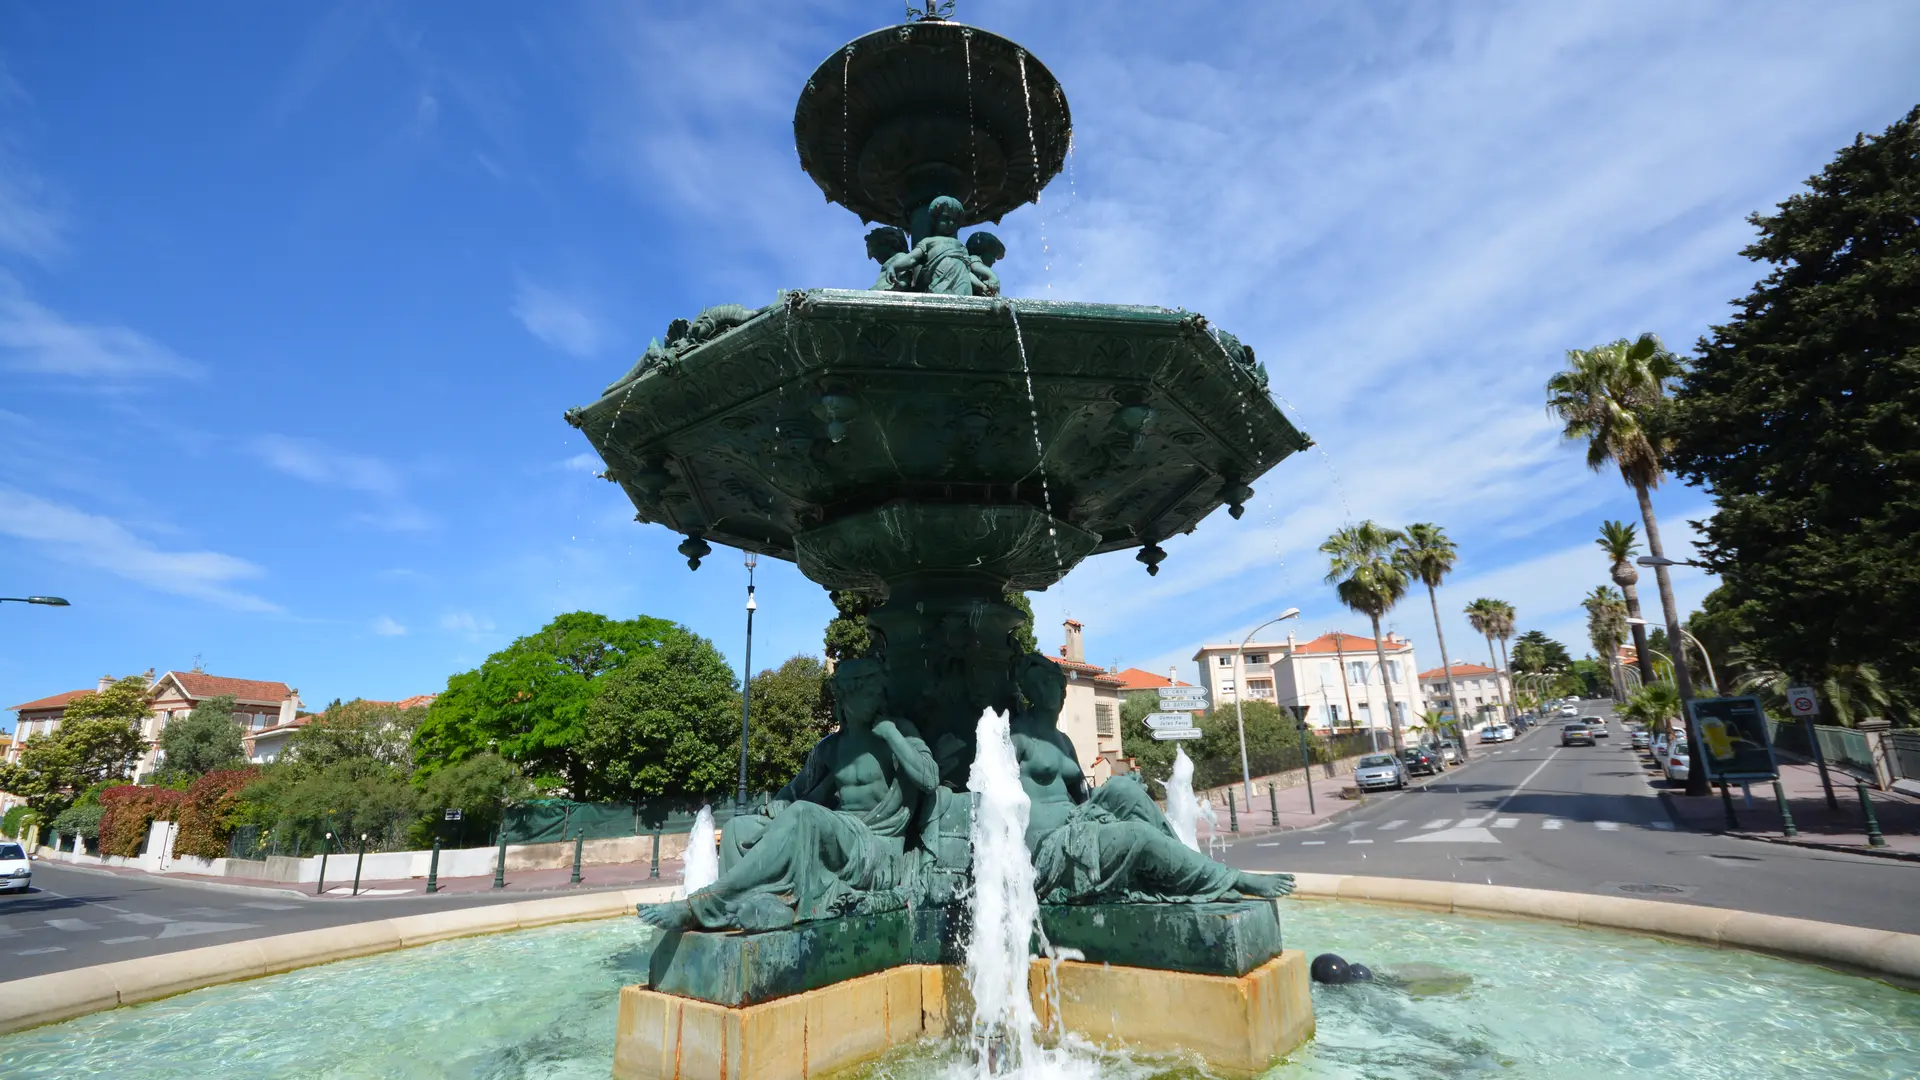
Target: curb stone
column 1666, row 801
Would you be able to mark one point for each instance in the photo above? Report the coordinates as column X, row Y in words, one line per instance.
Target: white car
column 1598, row 724
column 1496, row 733
column 1673, row 762
column 1569, row 710
column 15, row 871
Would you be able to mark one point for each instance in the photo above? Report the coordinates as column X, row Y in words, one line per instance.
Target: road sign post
column 1176, row 734
column 1803, row 703
column 1306, row 756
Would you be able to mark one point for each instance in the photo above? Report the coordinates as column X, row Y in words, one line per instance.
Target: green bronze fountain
column 933, row 443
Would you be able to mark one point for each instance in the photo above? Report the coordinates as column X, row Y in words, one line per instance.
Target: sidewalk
column 1818, row 826
column 339, row 882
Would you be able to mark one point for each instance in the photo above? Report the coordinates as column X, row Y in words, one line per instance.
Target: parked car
column 1496, row 733
column 1450, row 752
column 1576, row 733
column 1673, row 762
column 1376, row 771
column 1658, row 746
column 16, row 872
column 1420, row 761
column 1598, row 725
column 1640, row 739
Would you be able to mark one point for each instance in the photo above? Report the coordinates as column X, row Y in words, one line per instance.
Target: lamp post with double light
column 1712, row 679
column 746, row 690
column 1240, row 691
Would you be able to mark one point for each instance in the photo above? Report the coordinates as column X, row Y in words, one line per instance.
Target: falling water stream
column 701, row 867
column 1039, row 451
column 1183, row 813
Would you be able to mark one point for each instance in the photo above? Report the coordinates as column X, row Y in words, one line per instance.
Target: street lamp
column 1654, row 562
column 49, row 601
column 746, row 690
column 1711, row 678
column 1240, row 691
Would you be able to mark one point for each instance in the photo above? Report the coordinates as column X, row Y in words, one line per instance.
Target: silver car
column 1376, row 772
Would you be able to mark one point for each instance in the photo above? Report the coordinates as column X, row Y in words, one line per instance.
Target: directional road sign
column 1184, row 693
column 1162, row 720
column 1163, row 734
column 1801, row 702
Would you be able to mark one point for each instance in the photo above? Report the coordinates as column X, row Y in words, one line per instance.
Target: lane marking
column 1552, row 823
column 1607, row 826
column 1311, row 843
column 122, row 940
column 1437, row 823
column 1470, row 822
column 1465, row 834
column 145, row 919
column 1506, row 823
column 1270, row 843
column 1394, row 824
column 1359, row 841
column 71, row 924
column 41, row 952
column 1536, row 772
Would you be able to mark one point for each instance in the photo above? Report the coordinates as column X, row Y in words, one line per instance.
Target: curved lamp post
column 1240, row 692
column 1712, row 679
column 49, row 601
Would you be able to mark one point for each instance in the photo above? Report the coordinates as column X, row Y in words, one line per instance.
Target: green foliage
column 98, row 739
column 130, row 811
column 529, row 702
column 358, row 730
column 78, row 820
column 668, row 721
column 1802, row 416
column 1609, row 396
column 209, row 812
column 1587, row 677
column 1535, row 651
column 1153, row 757
column 1023, row 636
column 478, row 787
column 1653, row 705
column 1364, row 574
column 302, row 803
column 17, row 819
column 1273, row 743
column 847, row 637
column 788, row 719
column 205, row 739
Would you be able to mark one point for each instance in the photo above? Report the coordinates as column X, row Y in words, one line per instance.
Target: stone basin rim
column 1889, row 956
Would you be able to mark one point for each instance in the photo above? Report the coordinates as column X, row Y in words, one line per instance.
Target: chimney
column 101, row 686
column 1291, row 644
column 1173, row 675
column 1076, row 651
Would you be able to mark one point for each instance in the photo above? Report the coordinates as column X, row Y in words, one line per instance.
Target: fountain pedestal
column 1239, row 1025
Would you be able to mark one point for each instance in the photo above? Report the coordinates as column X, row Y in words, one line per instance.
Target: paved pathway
column 1843, row 827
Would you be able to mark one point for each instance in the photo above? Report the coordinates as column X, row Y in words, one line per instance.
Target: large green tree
column 1364, row 575
column 788, row 720
column 205, row 739
column 1535, row 651
column 667, row 722
column 358, row 730
column 99, row 738
column 529, row 701
column 1427, row 555
column 1802, row 416
column 1620, row 541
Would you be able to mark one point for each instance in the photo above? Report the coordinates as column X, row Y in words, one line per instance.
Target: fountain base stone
column 1229, row 938
column 1239, row 1025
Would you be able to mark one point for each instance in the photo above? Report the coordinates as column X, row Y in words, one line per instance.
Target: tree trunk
column 1346, row 686
column 1446, row 668
column 1502, row 682
column 1493, row 661
column 1624, row 576
column 1682, row 680
column 1380, row 653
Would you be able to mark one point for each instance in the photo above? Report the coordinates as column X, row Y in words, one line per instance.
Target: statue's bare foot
column 761, row 911
column 1269, row 886
column 672, row 915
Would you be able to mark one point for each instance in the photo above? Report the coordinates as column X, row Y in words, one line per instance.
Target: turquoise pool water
column 1546, row 1001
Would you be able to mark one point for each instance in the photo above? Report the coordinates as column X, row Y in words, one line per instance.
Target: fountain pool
column 1546, row 1001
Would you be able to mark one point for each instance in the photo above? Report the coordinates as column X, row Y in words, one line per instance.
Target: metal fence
column 542, row 821
column 1843, row 748
column 1904, row 750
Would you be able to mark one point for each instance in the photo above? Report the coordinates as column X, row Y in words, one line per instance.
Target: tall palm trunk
column 1380, row 653
column 1346, row 684
column 1682, row 680
column 1493, row 661
column 1446, row 666
column 1501, row 680
column 1628, row 579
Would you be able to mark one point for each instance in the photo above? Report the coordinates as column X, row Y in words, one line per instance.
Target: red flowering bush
column 207, row 816
column 129, row 811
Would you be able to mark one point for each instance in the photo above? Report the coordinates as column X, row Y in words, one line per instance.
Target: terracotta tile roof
column 1460, row 671
column 1099, row 674
column 57, row 701
column 1135, row 679
column 417, row 701
column 200, row 686
column 1325, row 643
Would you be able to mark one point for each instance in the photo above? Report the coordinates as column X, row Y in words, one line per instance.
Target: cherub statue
column 985, row 249
column 888, row 246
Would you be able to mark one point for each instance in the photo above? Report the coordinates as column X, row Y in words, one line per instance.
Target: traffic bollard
column 500, row 861
column 358, row 862
column 325, row 846
column 1874, row 839
column 654, row 870
column 1786, row 815
column 1273, row 800
column 433, row 869
column 579, row 839
column 1233, row 815
column 1726, row 803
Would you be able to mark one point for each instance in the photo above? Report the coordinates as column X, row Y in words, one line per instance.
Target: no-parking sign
column 1801, row 702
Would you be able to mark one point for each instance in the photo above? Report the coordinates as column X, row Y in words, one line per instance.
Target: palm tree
column 1606, row 396
column 1654, row 704
column 1606, row 626
column 1425, row 554
column 1621, row 542
column 1486, row 616
column 1362, row 572
column 1503, row 629
column 1849, row 693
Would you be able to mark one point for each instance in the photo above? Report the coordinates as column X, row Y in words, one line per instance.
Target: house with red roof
column 1480, row 688
column 1337, row 677
column 1090, row 716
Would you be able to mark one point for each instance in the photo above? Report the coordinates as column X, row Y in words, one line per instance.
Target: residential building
column 257, row 707
column 1480, row 688
column 1337, row 676
column 1090, row 717
column 1133, row 679
column 41, row 717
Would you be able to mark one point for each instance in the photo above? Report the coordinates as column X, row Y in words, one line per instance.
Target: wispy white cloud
column 559, row 320
column 466, row 622
column 101, row 543
column 583, row 463
column 315, row 463
column 29, row 226
column 36, row 340
column 387, row 626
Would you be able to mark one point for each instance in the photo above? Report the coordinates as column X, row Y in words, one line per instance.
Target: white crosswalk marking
column 1506, row 823
column 1437, row 823
column 122, row 940
column 1311, row 843
column 1607, row 826
column 1359, row 841
column 144, row 919
column 1470, row 822
column 71, row 924
column 41, row 952
column 1394, row 824
column 1269, row 843
column 1552, row 823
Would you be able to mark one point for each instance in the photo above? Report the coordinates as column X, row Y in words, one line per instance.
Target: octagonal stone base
column 1240, row 1026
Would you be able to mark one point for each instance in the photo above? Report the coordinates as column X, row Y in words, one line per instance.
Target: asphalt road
column 76, row 918
column 1585, row 819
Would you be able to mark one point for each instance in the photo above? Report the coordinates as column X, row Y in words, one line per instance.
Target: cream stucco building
column 1337, row 676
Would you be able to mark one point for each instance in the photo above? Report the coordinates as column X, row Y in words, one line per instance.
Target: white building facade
column 1337, row 676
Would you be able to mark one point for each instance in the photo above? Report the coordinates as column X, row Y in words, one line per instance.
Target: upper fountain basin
column 1123, row 426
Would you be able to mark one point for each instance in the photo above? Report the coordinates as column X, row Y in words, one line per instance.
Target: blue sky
column 292, row 297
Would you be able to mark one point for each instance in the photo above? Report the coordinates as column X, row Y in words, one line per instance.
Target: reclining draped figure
column 850, row 833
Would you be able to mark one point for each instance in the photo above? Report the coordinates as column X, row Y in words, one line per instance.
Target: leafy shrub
column 130, row 813
column 16, row 820
column 80, row 819
column 209, row 813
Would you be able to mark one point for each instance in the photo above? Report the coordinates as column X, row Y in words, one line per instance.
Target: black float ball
column 1330, row 969
column 1359, row 973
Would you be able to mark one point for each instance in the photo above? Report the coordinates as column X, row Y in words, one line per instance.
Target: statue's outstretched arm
column 910, row 754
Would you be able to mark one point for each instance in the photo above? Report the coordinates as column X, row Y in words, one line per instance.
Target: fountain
column 934, row 444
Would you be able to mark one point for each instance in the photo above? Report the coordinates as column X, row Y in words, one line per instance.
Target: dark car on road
column 1421, row 761
column 1576, row 733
